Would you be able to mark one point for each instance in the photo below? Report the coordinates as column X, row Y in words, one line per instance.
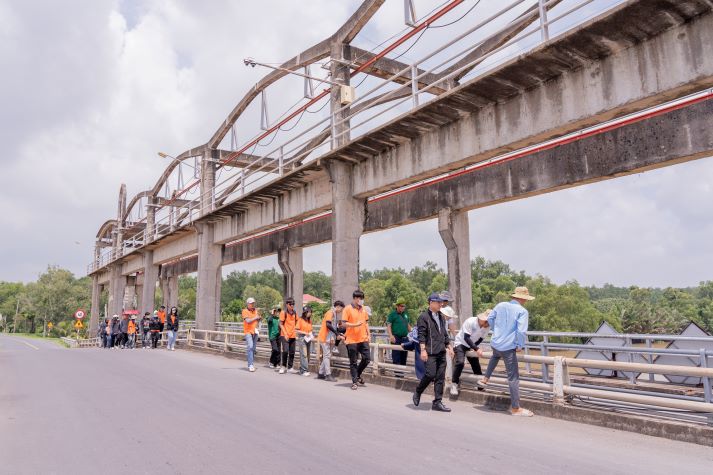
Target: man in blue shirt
column 508, row 321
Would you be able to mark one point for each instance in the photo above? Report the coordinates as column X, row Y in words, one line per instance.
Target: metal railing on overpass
column 518, row 27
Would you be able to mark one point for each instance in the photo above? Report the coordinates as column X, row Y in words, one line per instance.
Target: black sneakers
column 416, row 399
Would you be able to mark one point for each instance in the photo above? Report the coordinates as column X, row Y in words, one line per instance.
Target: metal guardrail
column 298, row 149
column 559, row 389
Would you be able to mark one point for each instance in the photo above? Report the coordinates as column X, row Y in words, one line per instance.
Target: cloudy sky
column 92, row 89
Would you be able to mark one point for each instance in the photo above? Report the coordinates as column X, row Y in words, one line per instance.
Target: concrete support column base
column 148, row 294
column 210, row 258
column 290, row 261
column 117, row 287
column 454, row 230
column 169, row 291
column 94, row 311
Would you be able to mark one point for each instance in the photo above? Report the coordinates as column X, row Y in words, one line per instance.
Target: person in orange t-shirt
column 288, row 335
column 329, row 334
column 357, row 336
column 251, row 317
column 161, row 319
column 305, row 337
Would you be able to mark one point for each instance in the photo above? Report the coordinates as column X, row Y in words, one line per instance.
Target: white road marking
column 29, row 344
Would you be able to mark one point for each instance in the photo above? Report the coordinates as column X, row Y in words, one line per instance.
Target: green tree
column 265, row 296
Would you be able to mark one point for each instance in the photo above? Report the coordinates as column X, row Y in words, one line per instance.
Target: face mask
column 361, row 301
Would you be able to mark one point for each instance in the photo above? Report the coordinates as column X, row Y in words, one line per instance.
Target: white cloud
column 92, row 90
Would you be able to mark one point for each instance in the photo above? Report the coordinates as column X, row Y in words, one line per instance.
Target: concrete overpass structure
column 472, row 124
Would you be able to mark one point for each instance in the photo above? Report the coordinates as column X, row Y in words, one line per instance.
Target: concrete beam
column 455, row 232
column 116, row 290
column 176, row 248
column 290, row 261
column 210, row 256
column 630, row 75
column 169, row 291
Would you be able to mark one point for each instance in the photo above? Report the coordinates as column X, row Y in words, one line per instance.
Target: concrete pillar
column 117, row 287
column 207, row 183
column 149, row 288
column 94, row 310
column 347, row 228
column 130, row 293
column 454, row 230
column 210, row 257
column 290, row 261
column 169, row 291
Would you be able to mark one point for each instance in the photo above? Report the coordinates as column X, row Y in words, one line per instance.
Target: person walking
column 435, row 345
column 131, row 332
column 509, row 321
column 328, row 336
column 452, row 324
column 115, row 332
column 124, row 331
column 273, row 334
column 357, row 337
column 471, row 334
column 251, row 319
column 108, row 331
column 145, row 330
column 101, row 333
column 412, row 344
column 305, row 337
column 398, row 326
column 288, row 335
column 172, row 327
column 155, row 329
column 161, row 313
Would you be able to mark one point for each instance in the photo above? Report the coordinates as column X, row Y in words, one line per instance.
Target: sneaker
column 335, row 350
column 454, row 390
column 331, row 379
column 282, row 371
column 416, row 398
column 271, row 366
column 292, row 371
column 321, row 376
column 306, row 373
column 251, row 368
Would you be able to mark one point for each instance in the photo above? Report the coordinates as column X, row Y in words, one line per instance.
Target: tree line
column 56, row 295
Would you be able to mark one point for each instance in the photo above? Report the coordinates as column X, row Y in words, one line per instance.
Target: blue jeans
column 251, row 341
column 510, row 359
column 398, row 356
column 419, row 365
column 108, row 341
column 304, row 354
column 171, row 339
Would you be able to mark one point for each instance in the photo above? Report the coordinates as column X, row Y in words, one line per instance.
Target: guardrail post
column 190, row 337
column 205, row 338
column 649, row 343
column 528, row 368
column 376, row 359
column 225, row 342
column 706, row 381
column 543, row 352
column 560, row 380
column 630, row 358
column 282, row 159
column 544, row 27
column 414, row 85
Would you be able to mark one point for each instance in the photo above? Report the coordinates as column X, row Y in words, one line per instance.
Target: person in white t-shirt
column 471, row 334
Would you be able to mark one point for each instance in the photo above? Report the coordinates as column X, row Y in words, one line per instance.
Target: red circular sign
column 79, row 314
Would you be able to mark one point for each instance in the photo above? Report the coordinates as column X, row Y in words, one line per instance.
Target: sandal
column 361, row 382
column 522, row 413
column 354, row 386
column 482, row 384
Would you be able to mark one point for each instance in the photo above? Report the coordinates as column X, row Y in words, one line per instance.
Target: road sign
column 78, row 324
column 50, row 325
column 79, row 314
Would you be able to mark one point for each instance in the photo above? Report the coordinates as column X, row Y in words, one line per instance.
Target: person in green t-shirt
column 273, row 334
column 398, row 326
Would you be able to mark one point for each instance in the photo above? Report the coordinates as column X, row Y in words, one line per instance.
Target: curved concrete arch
column 106, row 229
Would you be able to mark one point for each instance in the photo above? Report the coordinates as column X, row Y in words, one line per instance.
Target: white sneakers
column 454, row 389
column 306, row 373
column 271, row 366
column 282, row 370
column 251, row 368
column 292, row 371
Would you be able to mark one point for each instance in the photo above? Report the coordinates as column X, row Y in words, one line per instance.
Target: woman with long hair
column 304, row 338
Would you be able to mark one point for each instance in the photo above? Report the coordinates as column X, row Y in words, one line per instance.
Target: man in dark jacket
column 155, row 328
column 124, row 329
column 115, row 331
column 145, row 330
column 435, row 343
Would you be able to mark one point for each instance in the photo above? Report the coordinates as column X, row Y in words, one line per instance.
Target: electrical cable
column 459, row 19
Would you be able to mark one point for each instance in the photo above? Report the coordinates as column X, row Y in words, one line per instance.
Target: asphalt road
column 153, row 411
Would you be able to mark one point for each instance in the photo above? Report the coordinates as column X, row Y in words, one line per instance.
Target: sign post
column 79, row 314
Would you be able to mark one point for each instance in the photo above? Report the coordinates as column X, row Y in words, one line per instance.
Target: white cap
column 250, row 300
column 448, row 312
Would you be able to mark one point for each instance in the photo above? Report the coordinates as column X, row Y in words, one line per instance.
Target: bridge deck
column 158, row 412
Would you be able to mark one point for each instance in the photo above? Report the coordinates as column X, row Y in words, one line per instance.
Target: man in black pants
column 471, row 334
column 435, row 344
column 355, row 320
